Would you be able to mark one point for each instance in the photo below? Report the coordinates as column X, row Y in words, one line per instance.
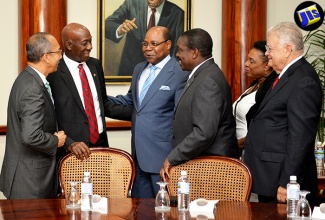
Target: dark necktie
column 152, row 21
column 89, row 106
column 275, row 82
column 48, row 88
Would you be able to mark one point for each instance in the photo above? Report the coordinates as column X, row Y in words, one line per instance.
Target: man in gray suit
column 29, row 165
column 203, row 121
column 153, row 112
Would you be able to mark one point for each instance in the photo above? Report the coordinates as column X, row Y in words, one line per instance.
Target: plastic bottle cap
column 183, row 173
column 86, row 173
column 293, row 178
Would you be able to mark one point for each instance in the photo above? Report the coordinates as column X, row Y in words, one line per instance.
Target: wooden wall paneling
column 243, row 23
column 40, row 15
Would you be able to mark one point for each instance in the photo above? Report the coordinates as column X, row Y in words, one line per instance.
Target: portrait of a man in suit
column 126, row 24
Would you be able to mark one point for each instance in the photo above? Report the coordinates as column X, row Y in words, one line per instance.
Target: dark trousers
column 145, row 185
column 267, row 199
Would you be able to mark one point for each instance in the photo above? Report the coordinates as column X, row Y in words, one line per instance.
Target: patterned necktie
column 89, row 106
column 152, row 21
column 147, row 83
column 48, row 88
column 275, row 82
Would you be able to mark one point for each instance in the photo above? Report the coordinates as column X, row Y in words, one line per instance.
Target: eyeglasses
column 59, row 51
column 268, row 49
column 152, row 44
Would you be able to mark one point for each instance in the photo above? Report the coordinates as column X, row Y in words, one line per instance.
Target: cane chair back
column 214, row 177
column 112, row 172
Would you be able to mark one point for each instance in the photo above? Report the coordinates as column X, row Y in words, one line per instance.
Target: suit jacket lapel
column 282, row 81
column 143, row 19
column 191, row 80
column 94, row 74
column 67, row 78
column 165, row 73
column 41, row 84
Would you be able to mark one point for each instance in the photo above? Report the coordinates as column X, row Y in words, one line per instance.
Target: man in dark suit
column 70, row 99
column 152, row 117
column 203, row 121
column 28, row 169
column 132, row 19
column 281, row 135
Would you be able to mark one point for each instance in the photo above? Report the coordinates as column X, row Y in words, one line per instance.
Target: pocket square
column 164, row 88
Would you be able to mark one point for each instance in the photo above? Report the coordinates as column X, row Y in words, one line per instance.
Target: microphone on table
column 322, row 207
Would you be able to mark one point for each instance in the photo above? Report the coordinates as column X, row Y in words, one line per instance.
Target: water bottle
column 319, row 156
column 86, row 192
column 293, row 189
column 183, row 192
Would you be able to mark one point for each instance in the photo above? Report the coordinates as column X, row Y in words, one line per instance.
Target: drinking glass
column 73, row 199
column 162, row 202
column 303, row 209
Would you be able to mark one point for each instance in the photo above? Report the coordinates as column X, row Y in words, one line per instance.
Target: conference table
column 130, row 208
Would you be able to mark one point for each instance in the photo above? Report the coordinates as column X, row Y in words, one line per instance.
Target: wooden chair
column 112, row 171
column 214, row 177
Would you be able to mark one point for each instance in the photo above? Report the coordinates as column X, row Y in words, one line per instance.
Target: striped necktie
column 89, row 106
column 147, row 83
column 48, row 88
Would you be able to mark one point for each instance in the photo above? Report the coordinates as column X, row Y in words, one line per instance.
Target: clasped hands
column 61, row 137
column 126, row 26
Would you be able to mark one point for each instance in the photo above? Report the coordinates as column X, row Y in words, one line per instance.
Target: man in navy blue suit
column 132, row 18
column 152, row 132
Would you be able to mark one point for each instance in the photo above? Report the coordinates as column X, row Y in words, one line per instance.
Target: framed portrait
column 120, row 50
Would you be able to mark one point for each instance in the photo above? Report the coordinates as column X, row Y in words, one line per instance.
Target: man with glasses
column 79, row 94
column 154, row 92
column 281, row 135
column 29, row 165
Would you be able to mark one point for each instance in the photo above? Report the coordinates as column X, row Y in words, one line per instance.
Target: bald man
column 77, row 70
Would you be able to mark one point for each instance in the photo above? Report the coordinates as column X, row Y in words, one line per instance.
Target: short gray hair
column 288, row 32
column 37, row 45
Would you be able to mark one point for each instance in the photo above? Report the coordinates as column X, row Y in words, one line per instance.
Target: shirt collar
column 195, row 68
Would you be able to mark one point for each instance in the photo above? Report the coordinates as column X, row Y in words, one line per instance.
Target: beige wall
column 278, row 10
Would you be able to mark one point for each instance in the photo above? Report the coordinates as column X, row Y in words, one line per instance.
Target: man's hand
column 61, row 136
column 126, row 26
column 80, row 150
column 164, row 170
column 282, row 195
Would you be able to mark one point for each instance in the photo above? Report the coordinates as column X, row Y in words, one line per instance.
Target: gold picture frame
column 110, row 52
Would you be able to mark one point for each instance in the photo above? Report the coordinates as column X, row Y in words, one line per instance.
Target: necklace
column 257, row 85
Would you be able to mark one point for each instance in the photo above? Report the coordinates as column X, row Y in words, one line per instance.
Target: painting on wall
column 119, row 46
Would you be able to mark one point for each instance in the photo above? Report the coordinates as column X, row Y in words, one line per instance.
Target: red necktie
column 275, row 82
column 152, row 21
column 89, row 106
